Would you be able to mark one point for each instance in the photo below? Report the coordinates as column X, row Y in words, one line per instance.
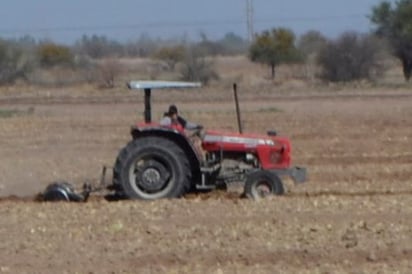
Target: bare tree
column 109, row 69
column 351, row 56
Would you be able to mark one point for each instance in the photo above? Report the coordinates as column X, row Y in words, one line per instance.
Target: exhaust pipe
column 239, row 121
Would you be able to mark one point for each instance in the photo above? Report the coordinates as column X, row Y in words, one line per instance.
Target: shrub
column 50, row 55
column 170, row 55
column 311, row 43
column 87, row 69
column 98, row 47
column 230, row 44
column 196, row 67
column 233, row 44
column 109, row 69
column 351, row 57
column 14, row 63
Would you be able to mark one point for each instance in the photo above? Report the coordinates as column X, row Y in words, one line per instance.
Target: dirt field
column 353, row 216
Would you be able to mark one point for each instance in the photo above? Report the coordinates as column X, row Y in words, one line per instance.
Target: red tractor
column 163, row 162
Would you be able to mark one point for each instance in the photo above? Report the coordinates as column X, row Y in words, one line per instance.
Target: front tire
column 152, row 168
column 261, row 184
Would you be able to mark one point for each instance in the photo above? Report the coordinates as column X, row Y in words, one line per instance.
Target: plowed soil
column 352, row 216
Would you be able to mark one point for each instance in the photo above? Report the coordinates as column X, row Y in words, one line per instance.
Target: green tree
column 170, row 55
column 51, row 55
column 395, row 24
column 273, row 48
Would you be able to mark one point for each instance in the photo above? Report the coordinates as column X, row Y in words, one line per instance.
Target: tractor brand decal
column 250, row 142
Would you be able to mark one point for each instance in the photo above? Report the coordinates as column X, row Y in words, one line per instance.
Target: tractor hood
column 273, row 151
column 249, row 140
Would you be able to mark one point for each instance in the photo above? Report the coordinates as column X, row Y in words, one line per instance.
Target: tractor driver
column 172, row 119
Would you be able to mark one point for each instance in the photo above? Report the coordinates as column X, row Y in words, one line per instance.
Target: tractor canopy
column 161, row 85
column 147, row 86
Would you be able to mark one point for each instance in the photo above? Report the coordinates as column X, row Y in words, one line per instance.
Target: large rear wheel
column 263, row 183
column 152, row 168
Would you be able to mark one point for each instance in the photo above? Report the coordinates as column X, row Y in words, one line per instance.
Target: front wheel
column 261, row 184
column 152, row 168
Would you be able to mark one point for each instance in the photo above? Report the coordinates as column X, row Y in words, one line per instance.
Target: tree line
column 20, row 57
column 350, row 56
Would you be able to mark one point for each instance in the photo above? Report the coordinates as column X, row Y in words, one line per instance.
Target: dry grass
column 352, row 216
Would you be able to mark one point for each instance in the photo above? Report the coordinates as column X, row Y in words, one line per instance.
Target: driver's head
column 172, row 110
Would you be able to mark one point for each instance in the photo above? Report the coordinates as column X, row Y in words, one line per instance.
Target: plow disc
column 62, row 191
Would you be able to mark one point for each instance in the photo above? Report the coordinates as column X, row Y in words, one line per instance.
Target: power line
column 250, row 21
column 312, row 19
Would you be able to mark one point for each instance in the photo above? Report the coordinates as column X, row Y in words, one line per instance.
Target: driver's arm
column 192, row 126
column 188, row 125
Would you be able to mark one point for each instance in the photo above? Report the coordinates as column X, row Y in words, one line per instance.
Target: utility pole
column 249, row 20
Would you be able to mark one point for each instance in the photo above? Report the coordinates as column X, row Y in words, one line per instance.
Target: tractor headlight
column 251, row 159
column 269, row 142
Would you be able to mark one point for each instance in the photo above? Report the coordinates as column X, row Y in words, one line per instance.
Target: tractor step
column 205, row 187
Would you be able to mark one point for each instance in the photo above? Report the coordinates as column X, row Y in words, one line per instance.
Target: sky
column 65, row 21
